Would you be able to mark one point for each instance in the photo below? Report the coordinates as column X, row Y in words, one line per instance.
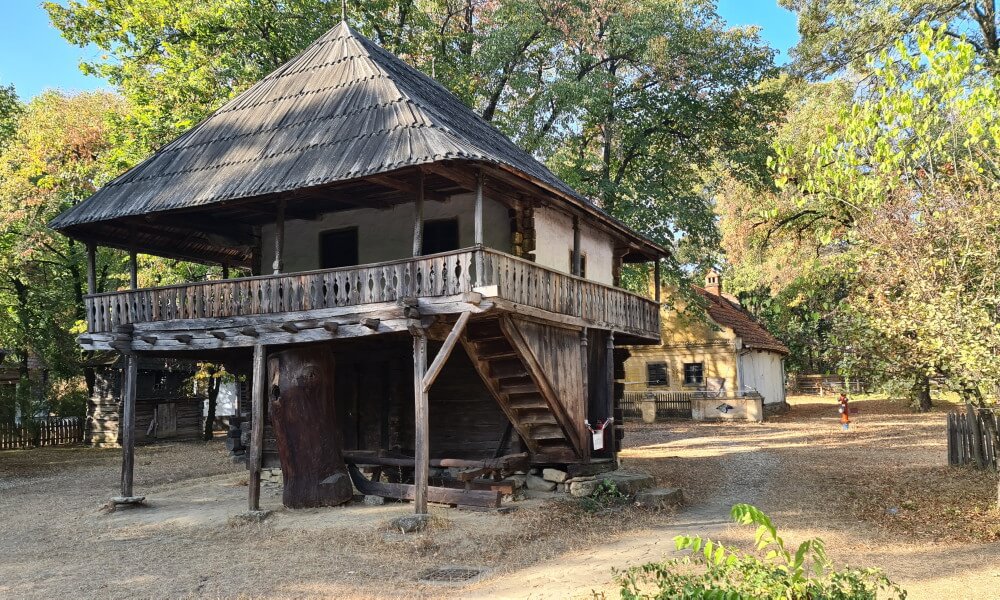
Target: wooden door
column 166, row 420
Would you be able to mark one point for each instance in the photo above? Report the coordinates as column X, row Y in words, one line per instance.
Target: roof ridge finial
column 343, row 10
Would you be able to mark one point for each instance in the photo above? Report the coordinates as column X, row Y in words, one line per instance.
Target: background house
column 729, row 354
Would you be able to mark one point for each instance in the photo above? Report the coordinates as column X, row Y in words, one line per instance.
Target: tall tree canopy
column 630, row 102
column 836, row 34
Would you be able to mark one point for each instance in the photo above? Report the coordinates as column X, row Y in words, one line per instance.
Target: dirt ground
column 878, row 495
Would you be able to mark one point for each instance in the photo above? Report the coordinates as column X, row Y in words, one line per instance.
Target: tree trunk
column 922, row 389
column 301, row 405
column 213, row 397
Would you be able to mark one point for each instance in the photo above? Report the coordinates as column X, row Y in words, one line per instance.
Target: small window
column 694, row 373
column 338, row 248
column 656, row 373
column 583, row 263
column 440, row 236
column 159, row 380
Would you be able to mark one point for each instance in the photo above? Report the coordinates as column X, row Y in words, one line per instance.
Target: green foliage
column 837, row 34
column 605, row 496
column 771, row 571
column 11, row 110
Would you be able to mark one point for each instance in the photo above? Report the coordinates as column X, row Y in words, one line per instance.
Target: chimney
column 713, row 282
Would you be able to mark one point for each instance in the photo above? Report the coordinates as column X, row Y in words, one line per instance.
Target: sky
column 34, row 57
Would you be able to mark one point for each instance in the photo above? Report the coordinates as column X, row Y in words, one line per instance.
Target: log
column 307, row 435
column 405, row 491
column 510, row 462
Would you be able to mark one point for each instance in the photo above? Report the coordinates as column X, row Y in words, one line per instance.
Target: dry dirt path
column 813, row 480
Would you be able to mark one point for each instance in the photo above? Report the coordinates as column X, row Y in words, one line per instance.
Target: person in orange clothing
column 845, row 411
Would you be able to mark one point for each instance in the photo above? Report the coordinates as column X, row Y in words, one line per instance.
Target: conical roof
column 344, row 108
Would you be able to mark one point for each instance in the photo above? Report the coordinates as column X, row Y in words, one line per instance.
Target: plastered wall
column 385, row 234
column 554, row 242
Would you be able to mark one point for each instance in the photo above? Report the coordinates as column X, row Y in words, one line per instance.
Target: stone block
column 374, row 500
column 410, row 523
column 657, row 498
column 625, row 482
column 537, row 484
column 517, row 480
column 554, row 475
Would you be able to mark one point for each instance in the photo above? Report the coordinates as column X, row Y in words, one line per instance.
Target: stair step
column 537, row 417
column 546, row 432
column 505, row 368
column 519, row 388
column 500, row 354
column 527, row 402
column 484, row 330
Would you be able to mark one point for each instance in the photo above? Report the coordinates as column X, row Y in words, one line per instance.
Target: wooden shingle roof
column 732, row 315
column 342, row 109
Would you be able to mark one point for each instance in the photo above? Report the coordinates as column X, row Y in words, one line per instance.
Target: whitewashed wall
column 385, row 234
column 554, row 242
column 763, row 371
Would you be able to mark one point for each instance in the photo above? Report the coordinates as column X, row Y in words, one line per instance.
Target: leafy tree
column 631, row 103
column 837, row 34
column 10, row 111
column 908, row 185
column 53, row 159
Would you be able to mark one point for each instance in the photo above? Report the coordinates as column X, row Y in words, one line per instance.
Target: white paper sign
column 599, row 440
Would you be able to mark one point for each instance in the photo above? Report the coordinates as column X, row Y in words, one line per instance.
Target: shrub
column 606, row 496
column 712, row 571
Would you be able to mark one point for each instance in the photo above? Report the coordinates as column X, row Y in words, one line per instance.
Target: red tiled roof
column 730, row 314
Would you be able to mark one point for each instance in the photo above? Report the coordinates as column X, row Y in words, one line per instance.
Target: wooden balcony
column 506, row 283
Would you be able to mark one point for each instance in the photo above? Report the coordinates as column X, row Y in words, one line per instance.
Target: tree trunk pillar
column 304, row 418
column 127, row 424
column 256, row 428
column 421, row 423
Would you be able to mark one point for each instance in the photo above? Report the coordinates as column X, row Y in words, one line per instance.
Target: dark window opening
column 338, row 248
column 440, row 236
column 694, row 373
column 656, row 374
column 583, row 264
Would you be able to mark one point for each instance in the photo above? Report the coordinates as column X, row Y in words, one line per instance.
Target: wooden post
column 279, row 238
column 127, row 425
column 225, row 271
column 656, row 280
column 418, row 218
column 421, row 441
column 91, row 268
column 256, row 426
column 133, row 270
column 479, row 224
column 610, row 363
column 577, row 258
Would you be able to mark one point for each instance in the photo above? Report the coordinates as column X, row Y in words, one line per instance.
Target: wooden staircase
column 520, row 388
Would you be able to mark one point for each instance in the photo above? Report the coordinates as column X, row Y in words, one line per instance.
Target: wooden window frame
column 701, row 376
column 666, row 374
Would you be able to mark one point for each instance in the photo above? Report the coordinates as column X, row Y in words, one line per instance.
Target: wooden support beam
column 418, row 218
column 609, row 360
column 478, row 218
column 577, row 265
column 290, row 327
column 127, row 424
column 407, row 187
column 403, row 491
column 91, row 268
column 256, row 426
column 149, row 339
column 279, row 238
column 249, row 331
column 656, row 280
column 421, row 423
column 331, row 326
column 184, row 338
column 133, row 270
column 371, row 323
column 442, row 356
column 218, row 334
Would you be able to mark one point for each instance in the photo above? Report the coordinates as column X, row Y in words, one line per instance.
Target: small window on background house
column 656, row 373
column 338, row 248
column 583, row 263
column 440, row 236
column 694, row 373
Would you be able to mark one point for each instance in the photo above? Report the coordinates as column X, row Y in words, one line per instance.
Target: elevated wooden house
column 421, row 286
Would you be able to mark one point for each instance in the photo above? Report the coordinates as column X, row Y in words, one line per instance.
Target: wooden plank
column 421, row 436
column 257, row 426
column 128, row 424
column 404, row 491
column 509, row 462
column 442, row 356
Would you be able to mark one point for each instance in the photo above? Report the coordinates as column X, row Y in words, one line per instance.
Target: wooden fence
column 668, row 404
column 973, row 438
column 48, row 432
column 819, row 385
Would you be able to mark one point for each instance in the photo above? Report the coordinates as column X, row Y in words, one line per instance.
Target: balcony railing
column 517, row 281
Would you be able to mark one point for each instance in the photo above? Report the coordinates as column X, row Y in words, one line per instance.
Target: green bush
column 712, row 571
column 605, row 497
